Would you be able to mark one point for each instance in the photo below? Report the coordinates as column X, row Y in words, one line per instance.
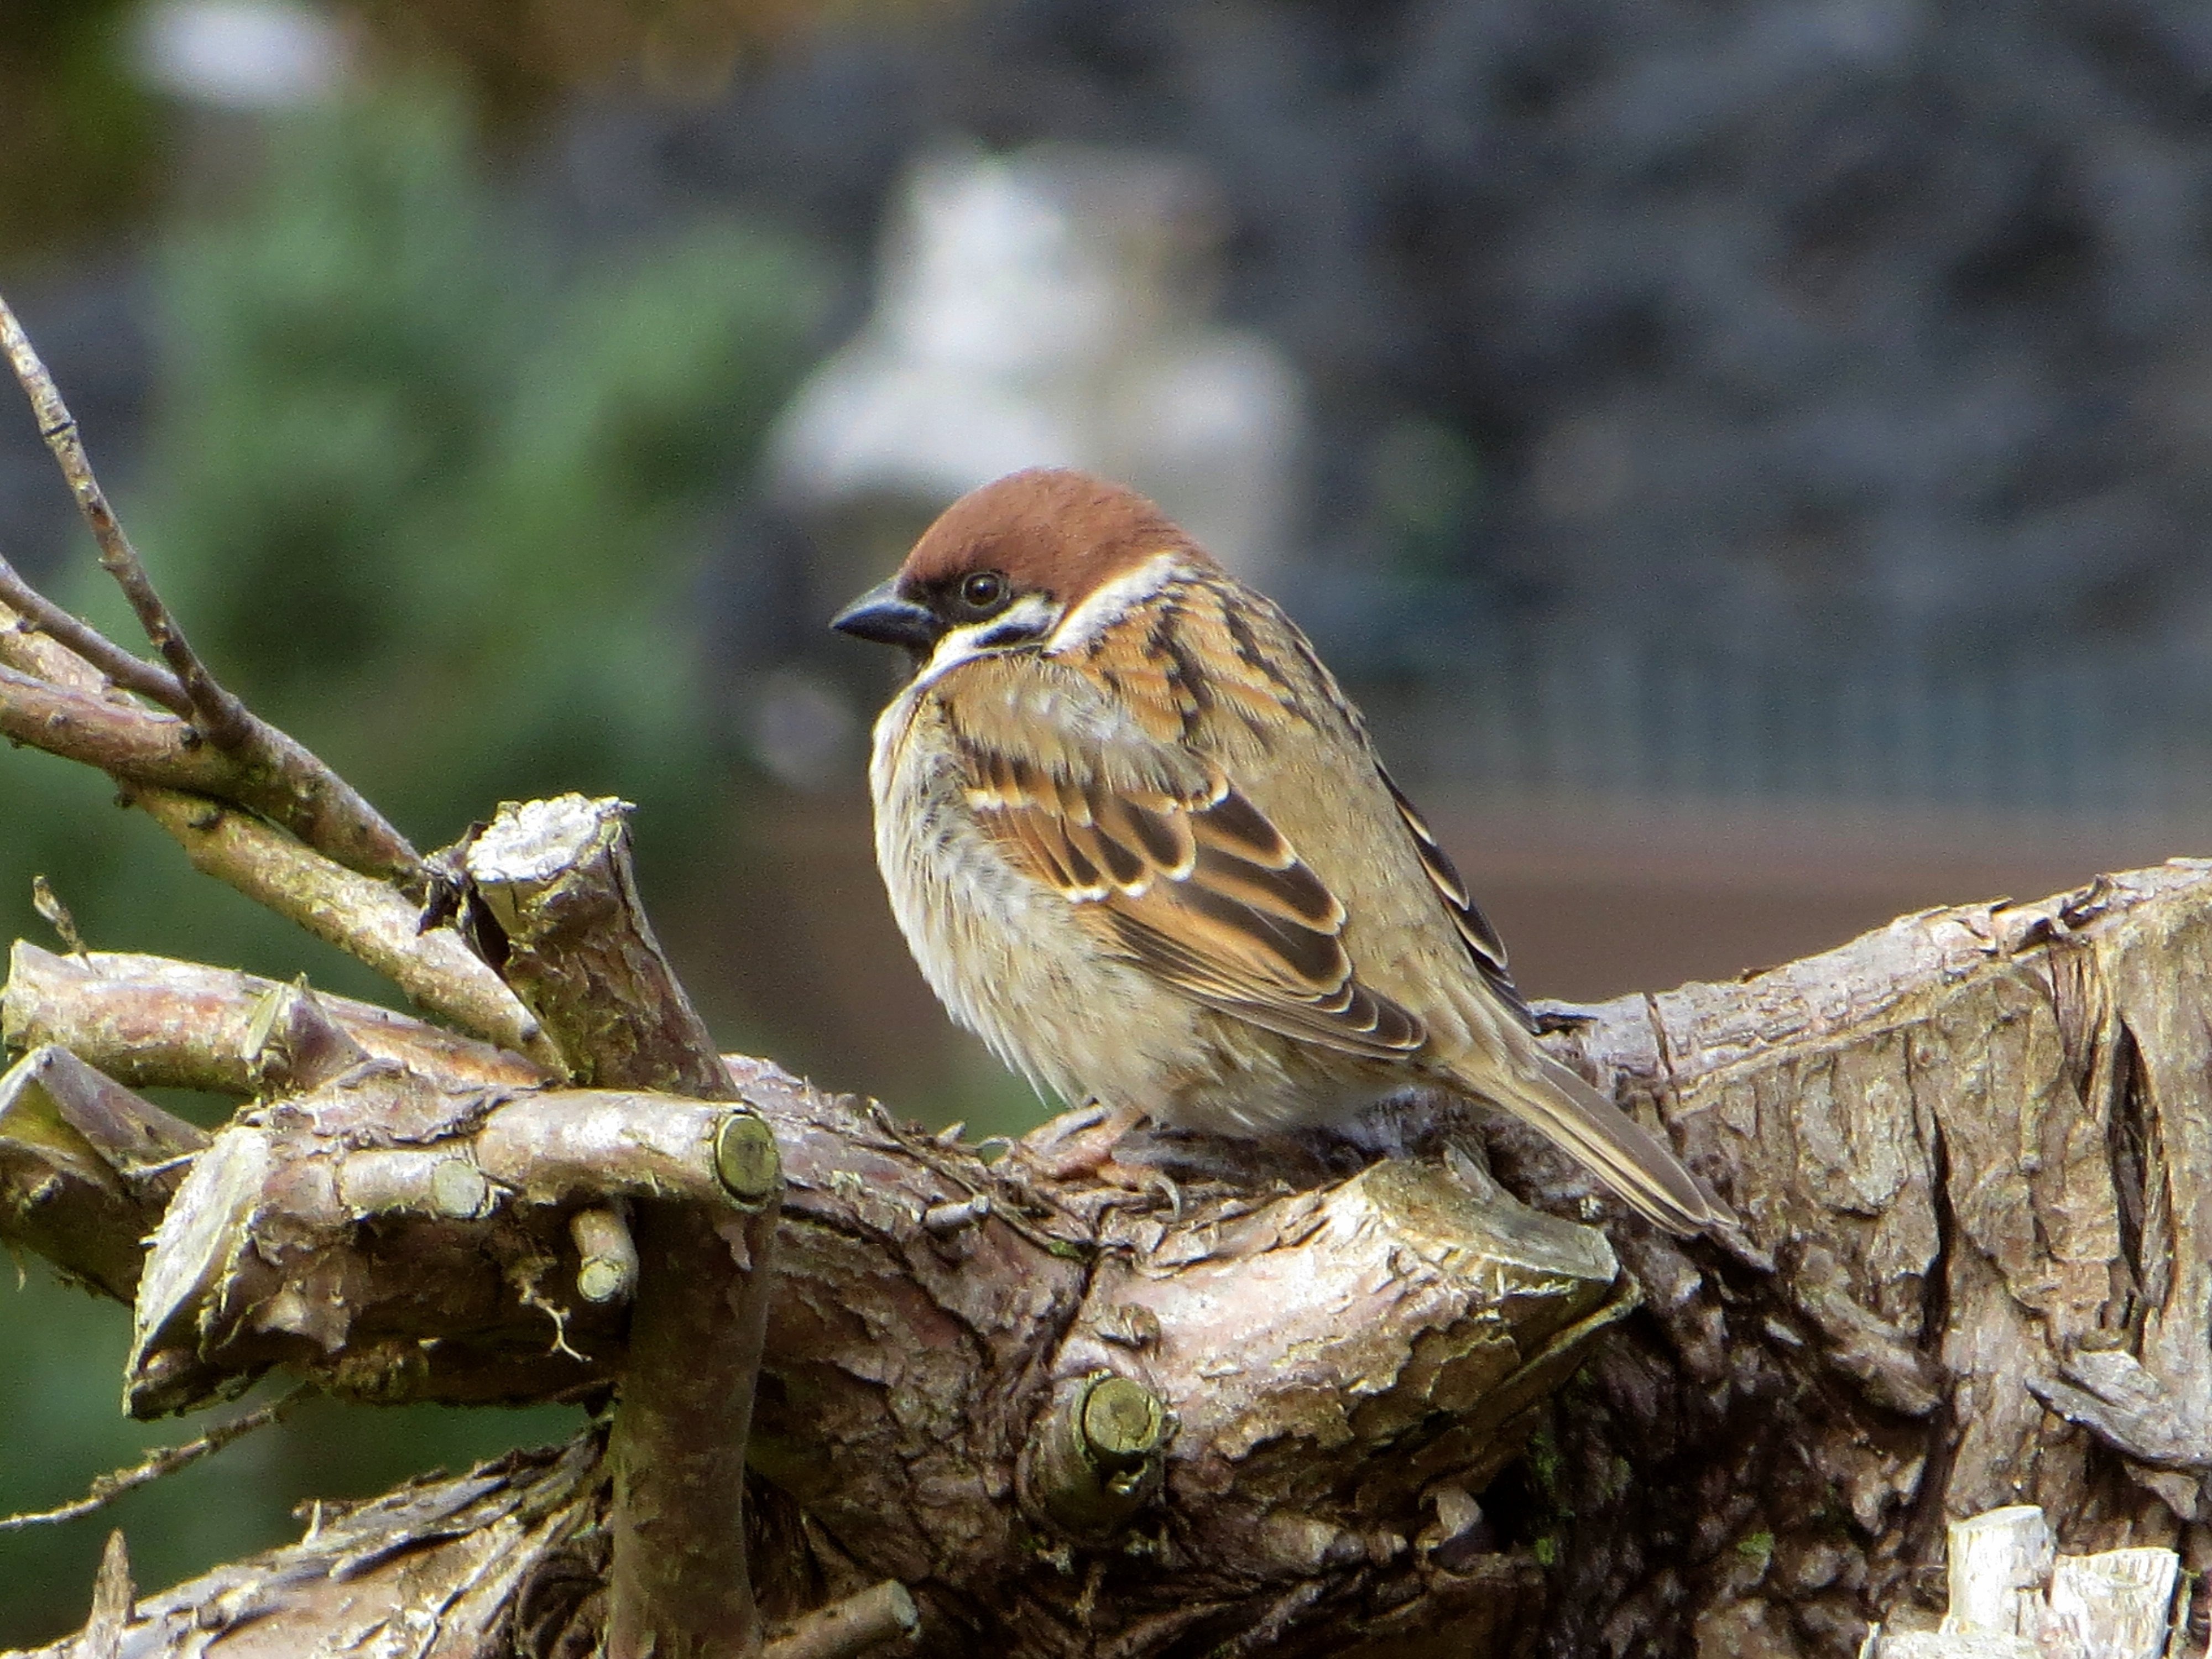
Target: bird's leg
column 1082, row 1143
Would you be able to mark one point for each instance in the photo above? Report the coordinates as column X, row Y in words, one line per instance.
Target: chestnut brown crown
column 1049, row 533
column 1048, row 530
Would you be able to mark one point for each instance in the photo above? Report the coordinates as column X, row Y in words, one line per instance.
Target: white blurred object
column 1051, row 308
column 241, row 54
column 803, row 731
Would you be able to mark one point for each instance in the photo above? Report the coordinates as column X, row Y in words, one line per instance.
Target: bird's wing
column 1480, row 938
column 1163, row 856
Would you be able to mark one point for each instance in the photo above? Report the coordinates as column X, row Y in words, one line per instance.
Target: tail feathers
column 1620, row 1151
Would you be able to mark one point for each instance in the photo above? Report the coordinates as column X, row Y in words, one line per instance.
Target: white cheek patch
column 1024, row 622
column 1111, row 601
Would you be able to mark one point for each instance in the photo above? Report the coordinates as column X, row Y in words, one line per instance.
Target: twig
column 167, row 1459
column 132, row 673
column 849, row 1628
column 921, row 1151
column 223, row 717
column 368, row 918
column 126, row 742
column 276, row 776
column 49, row 905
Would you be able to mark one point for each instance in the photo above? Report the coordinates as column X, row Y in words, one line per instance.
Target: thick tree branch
column 148, row 1021
column 551, row 897
column 920, row 1376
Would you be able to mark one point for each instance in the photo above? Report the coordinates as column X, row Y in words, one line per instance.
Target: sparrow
column 1139, row 842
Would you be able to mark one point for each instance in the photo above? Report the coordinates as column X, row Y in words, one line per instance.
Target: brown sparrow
column 1139, row 842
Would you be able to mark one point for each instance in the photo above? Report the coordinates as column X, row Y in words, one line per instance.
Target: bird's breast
column 1007, row 955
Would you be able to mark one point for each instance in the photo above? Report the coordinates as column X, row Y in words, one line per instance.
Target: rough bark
column 1975, row 1147
column 550, row 900
column 1305, row 1398
column 1967, row 1149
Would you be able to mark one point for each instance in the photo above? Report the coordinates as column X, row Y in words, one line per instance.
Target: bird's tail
column 1620, row 1151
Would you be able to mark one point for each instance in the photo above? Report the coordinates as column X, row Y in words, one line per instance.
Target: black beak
column 880, row 615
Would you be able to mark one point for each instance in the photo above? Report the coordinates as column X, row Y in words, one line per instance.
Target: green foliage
column 432, row 497
column 437, row 497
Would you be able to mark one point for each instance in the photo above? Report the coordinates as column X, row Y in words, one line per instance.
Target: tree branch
column 368, row 918
column 132, row 673
column 274, row 775
column 550, row 894
column 935, row 1407
column 851, row 1628
column 148, row 1021
column 163, row 1461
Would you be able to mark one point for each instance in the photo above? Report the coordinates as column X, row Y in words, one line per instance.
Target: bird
column 1140, row 842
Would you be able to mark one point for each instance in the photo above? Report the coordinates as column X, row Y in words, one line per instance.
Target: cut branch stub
column 295, row 1045
column 606, row 1256
column 548, row 892
column 85, row 1168
column 1097, row 1456
column 860, row 1624
column 746, row 1159
column 553, row 878
column 265, row 1257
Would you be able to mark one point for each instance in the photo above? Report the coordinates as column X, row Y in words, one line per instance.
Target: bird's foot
column 1081, row 1145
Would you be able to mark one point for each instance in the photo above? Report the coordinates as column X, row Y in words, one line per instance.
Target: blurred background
column 1750, row 460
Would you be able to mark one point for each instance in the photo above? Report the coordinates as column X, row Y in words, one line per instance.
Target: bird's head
column 1007, row 565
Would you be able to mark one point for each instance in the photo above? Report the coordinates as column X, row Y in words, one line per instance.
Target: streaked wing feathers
column 1481, row 938
column 1200, row 887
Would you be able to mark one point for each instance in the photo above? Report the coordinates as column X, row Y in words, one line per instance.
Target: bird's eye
column 984, row 590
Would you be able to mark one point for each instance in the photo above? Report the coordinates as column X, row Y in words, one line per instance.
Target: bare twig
column 368, row 918
column 49, row 905
column 126, row 742
column 131, row 673
column 167, row 1459
column 276, row 776
column 221, row 716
